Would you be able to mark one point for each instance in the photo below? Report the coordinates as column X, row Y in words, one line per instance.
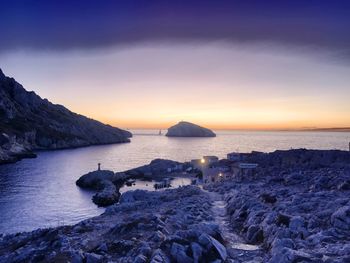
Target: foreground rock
column 29, row 122
column 187, row 129
column 11, row 150
column 296, row 206
column 107, row 184
column 169, row 226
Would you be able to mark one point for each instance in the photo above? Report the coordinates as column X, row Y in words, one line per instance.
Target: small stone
column 197, row 252
column 340, row 219
column 140, row 259
column 93, row 258
column 255, row 235
column 178, row 252
column 159, row 257
column 268, row 198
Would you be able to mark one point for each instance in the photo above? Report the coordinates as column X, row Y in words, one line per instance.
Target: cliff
column 29, row 122
column 187, row 129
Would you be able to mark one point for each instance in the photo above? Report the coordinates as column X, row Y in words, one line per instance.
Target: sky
column 149, row 64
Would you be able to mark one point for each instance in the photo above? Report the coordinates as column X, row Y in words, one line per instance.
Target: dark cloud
column 63, row 25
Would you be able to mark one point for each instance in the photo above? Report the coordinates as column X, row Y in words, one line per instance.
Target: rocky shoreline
column 107, row 183
column 295, row 208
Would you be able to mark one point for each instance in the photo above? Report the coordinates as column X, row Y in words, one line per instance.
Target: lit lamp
column 202, row 160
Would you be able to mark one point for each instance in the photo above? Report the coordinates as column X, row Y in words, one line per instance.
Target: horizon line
column 339, row 129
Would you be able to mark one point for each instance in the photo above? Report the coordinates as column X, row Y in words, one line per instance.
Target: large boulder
column 104, row 181
column 107, row 196
column 178, row 253
column 340, row 219
column 211, row 243
column 287, row 255
column 159, row 257
column 255, row 235
column 92, row 180
column 187, row 129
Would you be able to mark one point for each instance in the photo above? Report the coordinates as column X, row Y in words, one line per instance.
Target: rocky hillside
column 29, row 122
column 187, row 129
column 295, row 208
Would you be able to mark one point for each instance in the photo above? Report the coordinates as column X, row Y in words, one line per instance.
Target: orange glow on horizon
column 253, row 115
column 222, row 126
column 215, row 86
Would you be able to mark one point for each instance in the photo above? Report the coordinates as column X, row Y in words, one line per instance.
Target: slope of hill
column 28, row 122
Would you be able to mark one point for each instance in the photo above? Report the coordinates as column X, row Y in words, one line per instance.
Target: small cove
column 41, row 192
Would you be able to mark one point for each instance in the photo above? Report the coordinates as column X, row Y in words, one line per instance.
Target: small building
column 210, row 159
column 224, row 165
column 244, row 170
column 198, row 164
column 234, row 156
column 212, row 175
column 247, row 165
column 204, row 162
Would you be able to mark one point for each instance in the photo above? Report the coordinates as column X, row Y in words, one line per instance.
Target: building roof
column 247, row 165
column 210, row 157
column 234, row 153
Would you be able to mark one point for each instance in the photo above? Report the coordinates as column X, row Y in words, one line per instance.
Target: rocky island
column 29, row 123
column 187, row 129
column 294, row 208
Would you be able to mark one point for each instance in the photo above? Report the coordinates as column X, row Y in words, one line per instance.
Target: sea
column 41, row 192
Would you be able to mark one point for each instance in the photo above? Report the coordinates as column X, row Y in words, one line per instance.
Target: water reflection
column 149, row 185
column 41, row 192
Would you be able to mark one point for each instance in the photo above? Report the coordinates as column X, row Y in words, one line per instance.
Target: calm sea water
column 41, row 192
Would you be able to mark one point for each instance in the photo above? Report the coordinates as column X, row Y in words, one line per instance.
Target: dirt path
column 238, row 250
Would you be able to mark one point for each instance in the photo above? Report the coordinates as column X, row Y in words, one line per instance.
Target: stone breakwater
column 295, row 208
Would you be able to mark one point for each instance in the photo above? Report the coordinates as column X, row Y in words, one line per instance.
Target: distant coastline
column 341, row 129
column 336, row 129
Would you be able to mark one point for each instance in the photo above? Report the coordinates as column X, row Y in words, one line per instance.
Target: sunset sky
column 149, row 64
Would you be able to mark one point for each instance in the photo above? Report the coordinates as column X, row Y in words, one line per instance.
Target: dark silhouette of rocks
column 155, row 168
column 174, row 225
column 187, row 129
column 295, row 208
column 106, row 183
column 29, row 122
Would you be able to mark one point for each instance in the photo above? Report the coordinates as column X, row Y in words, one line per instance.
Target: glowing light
column 220, row 174
column 202, row 160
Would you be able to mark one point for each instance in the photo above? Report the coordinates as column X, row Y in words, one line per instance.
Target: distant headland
column 29, row 122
